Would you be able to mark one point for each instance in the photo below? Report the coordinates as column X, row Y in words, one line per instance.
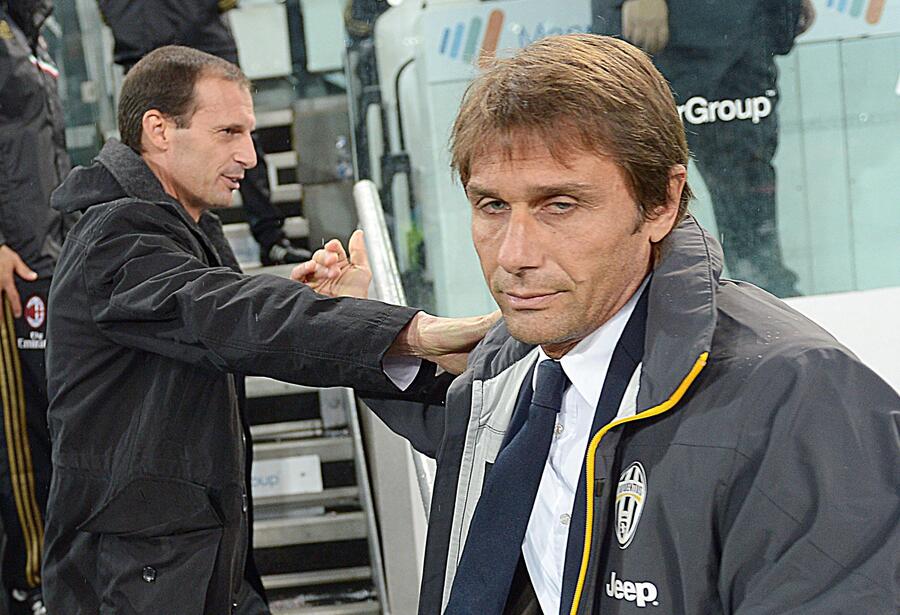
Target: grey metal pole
column 388, row 288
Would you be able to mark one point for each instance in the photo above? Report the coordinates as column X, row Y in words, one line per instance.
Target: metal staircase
column 317, row 547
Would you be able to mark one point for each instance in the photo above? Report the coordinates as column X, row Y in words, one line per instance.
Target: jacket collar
column 131, row 172
column 681, row 310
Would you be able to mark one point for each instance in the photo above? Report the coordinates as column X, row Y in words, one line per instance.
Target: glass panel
column 826, row 115
column 795, row 139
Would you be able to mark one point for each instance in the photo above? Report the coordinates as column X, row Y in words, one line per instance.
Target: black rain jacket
column 148, row 505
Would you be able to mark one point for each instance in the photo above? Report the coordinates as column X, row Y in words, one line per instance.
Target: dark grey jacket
column 33, row 157
column 147, row 507
column 768, row 454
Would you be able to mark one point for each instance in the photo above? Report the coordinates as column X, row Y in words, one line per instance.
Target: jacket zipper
column 667, row 405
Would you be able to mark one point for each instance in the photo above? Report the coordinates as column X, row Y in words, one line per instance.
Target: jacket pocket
column 157, row 575
column 150, row 506
column 159, row 543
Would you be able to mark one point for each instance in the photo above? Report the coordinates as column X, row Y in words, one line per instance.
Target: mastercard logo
column 871, row 11
column 466, row 41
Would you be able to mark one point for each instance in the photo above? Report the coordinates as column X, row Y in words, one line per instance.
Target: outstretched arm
column 335, row 272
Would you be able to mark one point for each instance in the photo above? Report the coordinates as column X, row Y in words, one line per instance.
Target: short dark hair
column 164, row 79
column 578, row 92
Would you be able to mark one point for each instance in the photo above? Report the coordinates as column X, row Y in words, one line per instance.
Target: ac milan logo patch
column 630, row 497
column 35, row 312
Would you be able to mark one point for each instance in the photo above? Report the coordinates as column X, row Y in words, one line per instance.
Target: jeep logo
column 641, row 593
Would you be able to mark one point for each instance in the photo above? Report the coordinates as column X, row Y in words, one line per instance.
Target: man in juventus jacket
column 713, row 451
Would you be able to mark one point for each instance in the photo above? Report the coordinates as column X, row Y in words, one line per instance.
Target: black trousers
column 25, row 444
column 734, row 154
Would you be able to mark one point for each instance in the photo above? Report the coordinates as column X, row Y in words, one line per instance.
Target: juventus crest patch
column 630, row 496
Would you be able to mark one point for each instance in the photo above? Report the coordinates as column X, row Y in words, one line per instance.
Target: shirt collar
column 587, row 363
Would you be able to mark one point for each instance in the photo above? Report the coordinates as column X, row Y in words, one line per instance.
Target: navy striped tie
column 494, row 542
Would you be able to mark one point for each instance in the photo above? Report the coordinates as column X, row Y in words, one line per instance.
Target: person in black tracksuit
column 140, row 27
column 33, row 161
column 725, row 52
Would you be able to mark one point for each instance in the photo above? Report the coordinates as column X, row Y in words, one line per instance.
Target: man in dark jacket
column 693, row 445
column 140, row 27
column 33, row 161
column 719, row 58
column 148, row 506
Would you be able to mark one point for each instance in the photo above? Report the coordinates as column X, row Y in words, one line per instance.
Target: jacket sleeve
column 147, row 290
column 421, row 423
column 810, row 517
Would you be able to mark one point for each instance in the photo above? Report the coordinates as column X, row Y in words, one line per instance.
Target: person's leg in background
column 735, row 155
column 264, row 218
column 25, row 446
column 735, row 159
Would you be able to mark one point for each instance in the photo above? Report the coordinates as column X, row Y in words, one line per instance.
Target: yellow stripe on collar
column 592, row 453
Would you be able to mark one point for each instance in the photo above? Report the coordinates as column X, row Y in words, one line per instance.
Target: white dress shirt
column 545, row 541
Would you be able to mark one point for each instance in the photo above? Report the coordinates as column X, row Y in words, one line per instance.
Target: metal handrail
column 388, row 288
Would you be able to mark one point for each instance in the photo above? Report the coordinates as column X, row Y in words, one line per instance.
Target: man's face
column 562, row 246
column 207, row 159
